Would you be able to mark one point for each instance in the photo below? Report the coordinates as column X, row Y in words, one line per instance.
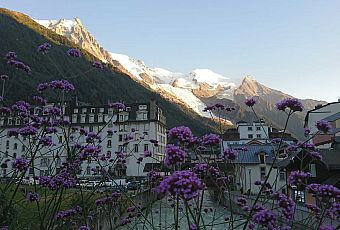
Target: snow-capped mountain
column 195, row 90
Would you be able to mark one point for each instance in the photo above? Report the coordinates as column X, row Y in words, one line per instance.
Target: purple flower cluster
column 323, row 126
column 286, row 204
column 74, row 53
column 67, row 213
column 12, row 60
column 28, row 130
column 316, row 155
column 40, row 100
column 265, row 218
column 250, row 102
column 97, row 64
column 298, row 177
column 44, row 48
column 181, row 133
column 313, row 208
column 289, row 103
column 324, row 191
column 174, row 155
column 32, row 197
column 108, row 200
column 46, row 141
column 218, row 107
column 20, row 164
column 63, row 179
column 62, row 85
column 117, row 105
column 230, row 154
column 184, row 184
column 211, row 139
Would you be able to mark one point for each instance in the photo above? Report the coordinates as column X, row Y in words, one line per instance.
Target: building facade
column 134, row 130
column 329, row 112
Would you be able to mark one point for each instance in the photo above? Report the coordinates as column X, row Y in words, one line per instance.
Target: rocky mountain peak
column 250, row 88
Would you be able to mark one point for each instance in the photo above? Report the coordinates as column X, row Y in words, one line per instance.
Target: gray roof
column 331, row 157
column 333, row 117
column 251, row 156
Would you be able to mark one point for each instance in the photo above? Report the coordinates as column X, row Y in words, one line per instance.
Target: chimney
column 318, row 106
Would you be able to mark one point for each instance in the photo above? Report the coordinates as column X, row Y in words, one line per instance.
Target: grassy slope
column 21, row 34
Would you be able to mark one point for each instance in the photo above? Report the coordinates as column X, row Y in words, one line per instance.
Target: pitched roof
column 251, row 156
column 333, row 117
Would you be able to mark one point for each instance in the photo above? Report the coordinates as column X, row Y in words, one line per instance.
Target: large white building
column 255, row 132
column 138, row 122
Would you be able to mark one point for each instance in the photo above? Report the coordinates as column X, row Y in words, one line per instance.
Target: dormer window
column 84, row 110
column 142, row 107
column 93, row 110
column 75, row 111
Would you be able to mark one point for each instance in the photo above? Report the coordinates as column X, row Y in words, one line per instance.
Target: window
column 109, row 143
column 250, row 136
column 146, row 147
column 126, row 117
column 17, row 122
column 299, row 196
column 93, row 110
column 60, row 139
column 146, row 127
column 82, row 118
column 74, row 118
column 100, row 118
column 15, row 146
column 101, row 110
column 258, row 128
column 91, row 118
column 282, row 176
column 312, row 169
column 14, row 155
column 110, row 111
column 88, row 170
column 136, row 148
column 75, row 110
column 91, row 128
column 142, row 107
column 84, row 110
column 121, row 117
column 30, row 171
column 263, row 173
column 9, row 121
column 258, row 135
column 262, row 158
column 136, row 136
column 120, row 137
column 250, row 128
column 23, row 148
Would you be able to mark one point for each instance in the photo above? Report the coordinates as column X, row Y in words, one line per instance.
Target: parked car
column 134, row 185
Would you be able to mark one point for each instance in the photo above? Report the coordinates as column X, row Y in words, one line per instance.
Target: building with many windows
column 128, row 131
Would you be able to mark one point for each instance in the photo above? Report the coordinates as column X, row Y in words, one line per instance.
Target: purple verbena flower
column 184, row 184
column 174, row 155
column 230, row 154
column 44, row 48
column 32, row 197
column 250, row 102
column 289, row 103
column 97, row 64
column 298, row 177
column 74, row 53
column 20, row 164
column 211, row 139
column 323, row 126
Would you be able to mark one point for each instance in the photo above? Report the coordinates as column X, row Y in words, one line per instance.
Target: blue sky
column 290, row 45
